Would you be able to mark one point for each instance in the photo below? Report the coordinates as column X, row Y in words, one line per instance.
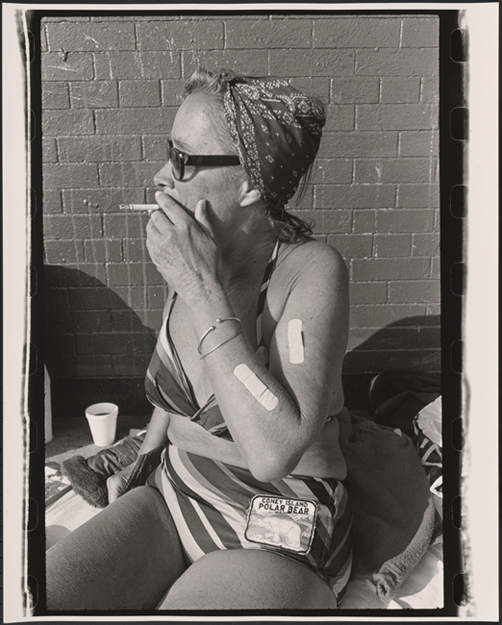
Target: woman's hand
column 182, row 247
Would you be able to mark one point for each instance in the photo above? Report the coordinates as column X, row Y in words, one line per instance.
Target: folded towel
column 393, row 572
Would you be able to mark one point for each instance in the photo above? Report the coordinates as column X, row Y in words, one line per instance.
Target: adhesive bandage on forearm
column 295, row 342
column 256, row 387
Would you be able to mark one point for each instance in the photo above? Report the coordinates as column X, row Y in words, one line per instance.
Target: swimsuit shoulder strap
column 262, row 350
column 168, row 306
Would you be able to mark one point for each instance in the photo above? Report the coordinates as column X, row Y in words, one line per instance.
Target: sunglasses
column 180, row 159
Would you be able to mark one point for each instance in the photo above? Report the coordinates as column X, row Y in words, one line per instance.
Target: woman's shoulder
column 312, row 258
column 309, row 276
column 310, row 270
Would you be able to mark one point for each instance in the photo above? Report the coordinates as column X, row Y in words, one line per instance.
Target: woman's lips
column 174, row 196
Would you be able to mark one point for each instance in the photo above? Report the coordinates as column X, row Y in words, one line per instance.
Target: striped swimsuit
column 220, row 506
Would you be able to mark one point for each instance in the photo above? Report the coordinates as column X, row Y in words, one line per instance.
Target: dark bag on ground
column 397, row 396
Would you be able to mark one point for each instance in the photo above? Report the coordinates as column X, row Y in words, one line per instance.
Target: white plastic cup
column 102, row 419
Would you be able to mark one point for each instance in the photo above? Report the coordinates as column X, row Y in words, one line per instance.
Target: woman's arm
column 273, row 415
column 273, row 431
column 156, row 433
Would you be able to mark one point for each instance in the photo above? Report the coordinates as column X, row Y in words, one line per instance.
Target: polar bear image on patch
column 281, row 530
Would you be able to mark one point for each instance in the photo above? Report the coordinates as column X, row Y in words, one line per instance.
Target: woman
column 246, row 380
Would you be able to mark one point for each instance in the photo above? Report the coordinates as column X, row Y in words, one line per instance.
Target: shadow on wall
column 98, row 349
column 410, row 343
column 96, row 346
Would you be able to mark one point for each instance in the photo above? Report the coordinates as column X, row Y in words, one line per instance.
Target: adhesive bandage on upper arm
column 256, row 387
column 295, row 341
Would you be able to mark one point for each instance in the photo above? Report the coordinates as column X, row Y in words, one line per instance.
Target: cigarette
column 139, row 207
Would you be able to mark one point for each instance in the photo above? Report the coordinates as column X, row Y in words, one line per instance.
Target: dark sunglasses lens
column 176, row 163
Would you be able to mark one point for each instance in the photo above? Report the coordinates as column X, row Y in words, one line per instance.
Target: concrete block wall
column 110, row 89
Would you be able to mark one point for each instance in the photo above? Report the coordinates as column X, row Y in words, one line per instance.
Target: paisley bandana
column 277, row 131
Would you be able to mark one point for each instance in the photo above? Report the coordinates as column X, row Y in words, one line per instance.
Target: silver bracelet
column 222, row 343
column 211, row 328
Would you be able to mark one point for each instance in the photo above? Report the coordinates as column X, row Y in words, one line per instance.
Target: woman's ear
column 248, row 194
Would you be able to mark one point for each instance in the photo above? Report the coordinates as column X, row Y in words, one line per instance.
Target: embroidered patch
column 281, row 522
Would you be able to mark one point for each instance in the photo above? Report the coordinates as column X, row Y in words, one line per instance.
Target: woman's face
column 193, row 133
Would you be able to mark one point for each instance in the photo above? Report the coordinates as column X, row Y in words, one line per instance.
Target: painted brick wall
column 110, row 91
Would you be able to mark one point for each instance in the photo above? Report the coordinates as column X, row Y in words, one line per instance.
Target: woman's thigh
column 126, row 557
column 248, row 579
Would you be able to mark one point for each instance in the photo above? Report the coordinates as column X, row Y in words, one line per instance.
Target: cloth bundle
column 89, row 477
column 427, row 426
column 393, row 511
column 389, row 479
column 397, row 395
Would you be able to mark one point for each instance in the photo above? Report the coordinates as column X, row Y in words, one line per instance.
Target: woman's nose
column 163, row 179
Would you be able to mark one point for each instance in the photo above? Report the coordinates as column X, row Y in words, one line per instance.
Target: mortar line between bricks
column 94, row 72
column 102, row 224
column 431, row 260
column 70, row 97
column 99, row 175
column 136, row 38
column 159, row 92
column 432, row 161
column 47, row 38
column 401, row 28
column 75, row 241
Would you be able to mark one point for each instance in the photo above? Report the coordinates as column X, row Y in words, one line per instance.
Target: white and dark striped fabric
column 166, row 383
column 209, row 502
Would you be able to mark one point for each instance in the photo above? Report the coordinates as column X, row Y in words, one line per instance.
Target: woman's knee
column 248, row 579
column 127, row 556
